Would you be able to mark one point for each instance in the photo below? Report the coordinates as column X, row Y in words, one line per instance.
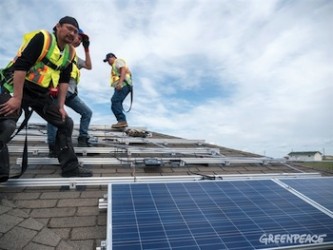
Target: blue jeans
column 74, row 102
column 117, row 102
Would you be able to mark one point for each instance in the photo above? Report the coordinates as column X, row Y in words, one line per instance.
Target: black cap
column 108, row 56
column 69, row 20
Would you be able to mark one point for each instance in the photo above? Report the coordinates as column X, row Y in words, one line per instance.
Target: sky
column 251, row 75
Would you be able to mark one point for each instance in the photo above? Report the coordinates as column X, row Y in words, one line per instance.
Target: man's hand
column 119, row 86
column 85, row 42
column 11, row 106
column 63, row 113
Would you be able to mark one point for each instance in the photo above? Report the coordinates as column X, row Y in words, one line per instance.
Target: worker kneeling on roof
column 45, row 61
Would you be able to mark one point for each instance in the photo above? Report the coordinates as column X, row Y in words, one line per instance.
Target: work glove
column 85, row 42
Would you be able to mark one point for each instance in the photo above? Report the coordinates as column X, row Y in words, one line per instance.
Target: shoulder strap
column 48, row 45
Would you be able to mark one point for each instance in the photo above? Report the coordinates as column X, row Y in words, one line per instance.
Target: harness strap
column 24, row 166
column 27, row 115
column 50, row 64
column 131, row 91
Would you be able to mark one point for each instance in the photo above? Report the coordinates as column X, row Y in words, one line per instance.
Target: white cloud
column 251, row 75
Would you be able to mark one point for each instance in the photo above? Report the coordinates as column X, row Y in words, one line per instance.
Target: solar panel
column 239, row 215
column 318, row 189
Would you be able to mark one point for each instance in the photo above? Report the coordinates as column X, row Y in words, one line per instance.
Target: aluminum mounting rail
column 32, row 138
column 97, row 181
column 173, row 151
column 107, row 127
column 41, row 132
column 165, row 141
column 42, row 126
column 155, row 161
column 107, row 202
column 105, row 133
column 35, row 150
column 127, row 140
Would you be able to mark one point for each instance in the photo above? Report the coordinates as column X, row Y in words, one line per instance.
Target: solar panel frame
column 166, row 221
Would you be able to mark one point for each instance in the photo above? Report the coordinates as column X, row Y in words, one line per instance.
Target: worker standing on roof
column 33, row 76
column 72, row 99
column 121, row 81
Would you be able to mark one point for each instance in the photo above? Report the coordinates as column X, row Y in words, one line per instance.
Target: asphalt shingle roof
column 56, row 215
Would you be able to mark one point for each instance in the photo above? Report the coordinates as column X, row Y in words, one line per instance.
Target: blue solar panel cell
column 234, row 215
column 318, row 189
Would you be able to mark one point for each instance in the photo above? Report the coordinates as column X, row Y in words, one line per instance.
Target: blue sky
column 253, row 75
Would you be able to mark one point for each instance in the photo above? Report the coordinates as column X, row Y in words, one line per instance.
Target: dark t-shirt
column 31, row 53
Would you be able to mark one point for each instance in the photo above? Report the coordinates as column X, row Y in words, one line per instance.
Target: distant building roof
column 304, row 153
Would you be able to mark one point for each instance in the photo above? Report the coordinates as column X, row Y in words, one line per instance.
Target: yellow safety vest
column 75, row 74
column 51, row 61
column 115, row 74
column 48, row 65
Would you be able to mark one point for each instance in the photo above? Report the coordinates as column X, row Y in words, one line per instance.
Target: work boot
column 83, row 141
column 79, row 171
column 52, row 151
column 70, row 166
column 120, row 125
column 4, row 162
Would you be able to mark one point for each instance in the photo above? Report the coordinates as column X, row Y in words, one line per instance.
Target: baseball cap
column 108, row 56
column 69, row 20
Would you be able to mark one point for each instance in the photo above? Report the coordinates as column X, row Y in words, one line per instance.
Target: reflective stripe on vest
column 47, row 69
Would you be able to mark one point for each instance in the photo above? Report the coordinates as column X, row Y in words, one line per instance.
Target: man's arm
column 86, row 44
column 63, row 87
column 22, row 64
column 14, row 103
column 121, row 65
column 121, row 78
column 30, row 54
column 87, row 61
